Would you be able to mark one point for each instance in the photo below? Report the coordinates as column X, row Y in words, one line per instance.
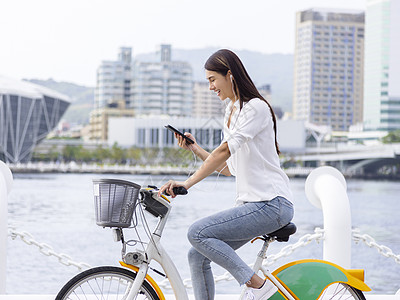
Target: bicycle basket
column 115, row 202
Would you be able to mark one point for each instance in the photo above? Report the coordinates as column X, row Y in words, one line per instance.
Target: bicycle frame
column 293, row 279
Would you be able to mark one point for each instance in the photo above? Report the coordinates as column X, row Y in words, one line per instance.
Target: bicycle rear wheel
column 340, row 290
column 104, row 283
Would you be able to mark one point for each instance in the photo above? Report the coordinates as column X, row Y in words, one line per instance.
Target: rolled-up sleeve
column 231, row 167
column 254, row 117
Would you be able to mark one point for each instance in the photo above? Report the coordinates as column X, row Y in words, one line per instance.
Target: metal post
column 5, row 187
column 326, row 189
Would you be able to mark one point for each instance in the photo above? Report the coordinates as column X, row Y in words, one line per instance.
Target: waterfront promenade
column 73, row 167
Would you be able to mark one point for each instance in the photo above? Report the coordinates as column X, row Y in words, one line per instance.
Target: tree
column 101, row 154
column 392, row 137
column 118, row 154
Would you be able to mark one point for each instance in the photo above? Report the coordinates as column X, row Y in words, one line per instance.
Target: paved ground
column 171, row 297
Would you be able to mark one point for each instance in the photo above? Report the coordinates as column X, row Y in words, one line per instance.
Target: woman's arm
column 213, row 161
column 201, row 153
column 216, row 160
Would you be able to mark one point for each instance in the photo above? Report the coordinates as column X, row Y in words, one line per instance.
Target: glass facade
column 25, row 121
column 382, row 65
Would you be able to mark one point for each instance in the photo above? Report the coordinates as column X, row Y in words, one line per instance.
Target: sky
column 66, row 40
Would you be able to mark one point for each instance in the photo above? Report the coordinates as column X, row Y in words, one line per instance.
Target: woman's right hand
column 182, row 141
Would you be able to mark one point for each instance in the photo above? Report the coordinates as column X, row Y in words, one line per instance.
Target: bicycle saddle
column 283, row 234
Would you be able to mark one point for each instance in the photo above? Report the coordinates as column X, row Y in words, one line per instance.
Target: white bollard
column 326, row 189
column 6, row 180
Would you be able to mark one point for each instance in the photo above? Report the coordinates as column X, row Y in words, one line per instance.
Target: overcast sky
column 67, row 40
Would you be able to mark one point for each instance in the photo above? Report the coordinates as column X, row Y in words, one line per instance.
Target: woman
column 250, row 152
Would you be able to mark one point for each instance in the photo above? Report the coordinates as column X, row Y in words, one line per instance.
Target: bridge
column 354, row 160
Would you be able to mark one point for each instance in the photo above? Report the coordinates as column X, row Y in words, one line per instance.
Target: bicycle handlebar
column 178, row 190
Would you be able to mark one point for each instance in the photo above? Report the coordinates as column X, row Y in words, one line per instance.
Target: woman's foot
column 262, row 293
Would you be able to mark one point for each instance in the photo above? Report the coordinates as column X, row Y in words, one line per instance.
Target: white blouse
column 254, row 161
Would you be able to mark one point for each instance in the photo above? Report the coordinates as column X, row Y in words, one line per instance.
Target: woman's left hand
column 168, row 187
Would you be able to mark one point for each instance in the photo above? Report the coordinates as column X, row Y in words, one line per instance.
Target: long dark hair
column 224, row 60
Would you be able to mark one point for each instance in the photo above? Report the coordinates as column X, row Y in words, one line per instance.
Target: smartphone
column 174, row 130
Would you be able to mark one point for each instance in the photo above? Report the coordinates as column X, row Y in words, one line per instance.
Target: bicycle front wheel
column 340, row 290
column 104, row 283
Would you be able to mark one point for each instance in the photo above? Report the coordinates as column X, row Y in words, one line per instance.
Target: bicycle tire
column 340, row 290
column 107, row 282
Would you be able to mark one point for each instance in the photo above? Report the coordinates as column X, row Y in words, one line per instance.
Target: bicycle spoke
column 105, row 283
column 340, row 291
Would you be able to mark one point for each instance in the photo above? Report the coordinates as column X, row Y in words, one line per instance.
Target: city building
column 113, row 80
column 328, row 68
column 163, row 87
column 28, row 112
column 206, row 103
column 99, row 119
column 150, row 132
column 382, row 65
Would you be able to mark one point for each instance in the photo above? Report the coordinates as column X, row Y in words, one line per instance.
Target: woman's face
column 220, row 84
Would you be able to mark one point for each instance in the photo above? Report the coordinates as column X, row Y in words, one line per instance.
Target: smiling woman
column 250, row 152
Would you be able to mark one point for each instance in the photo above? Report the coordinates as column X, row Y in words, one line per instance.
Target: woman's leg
column 201, row 273
column 213, row 235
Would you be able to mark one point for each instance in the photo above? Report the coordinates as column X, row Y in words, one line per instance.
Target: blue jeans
column 215, row 238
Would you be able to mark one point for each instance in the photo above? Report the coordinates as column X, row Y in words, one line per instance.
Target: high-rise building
column 206, row 103
column 114, row 80
column 328, row 68
column 382, row 65
column 163, row 87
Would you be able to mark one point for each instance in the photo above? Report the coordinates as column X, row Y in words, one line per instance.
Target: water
column 57, row 209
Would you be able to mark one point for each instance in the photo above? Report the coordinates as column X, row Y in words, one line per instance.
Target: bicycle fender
column 308, row 278
column 148, row 278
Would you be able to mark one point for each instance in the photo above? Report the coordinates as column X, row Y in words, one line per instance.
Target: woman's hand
column 168, row 187
column 182, row 141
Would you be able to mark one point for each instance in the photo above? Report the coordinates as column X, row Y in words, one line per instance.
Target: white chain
column 289, row 249
column 271, row 259
column 45, row 249
column 370, row 242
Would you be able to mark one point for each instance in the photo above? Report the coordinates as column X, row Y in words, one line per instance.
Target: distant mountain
column 82, row 99
column 273, row 69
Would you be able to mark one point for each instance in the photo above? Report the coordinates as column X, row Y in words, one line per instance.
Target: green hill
column 82, row 99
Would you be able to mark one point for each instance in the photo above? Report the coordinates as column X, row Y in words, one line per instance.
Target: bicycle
column 119, row 204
